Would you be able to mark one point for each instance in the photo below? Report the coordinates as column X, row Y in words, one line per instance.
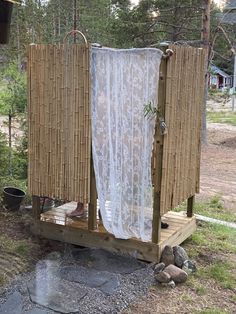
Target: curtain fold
column 123, row 82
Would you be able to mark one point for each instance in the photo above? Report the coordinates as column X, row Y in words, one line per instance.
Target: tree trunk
column 205, row 36
column 10, row 141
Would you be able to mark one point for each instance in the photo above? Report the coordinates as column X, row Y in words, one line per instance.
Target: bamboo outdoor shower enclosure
column 60, row 147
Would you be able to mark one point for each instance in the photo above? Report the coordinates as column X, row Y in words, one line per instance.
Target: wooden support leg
column 156, row 220
column 36, row 207
column 36, row 211
column 92, row 210
column 190, row 205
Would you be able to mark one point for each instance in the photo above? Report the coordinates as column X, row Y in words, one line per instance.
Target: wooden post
column 190, row 205
column 156, row 220
column 36, row 207
column 92, row 210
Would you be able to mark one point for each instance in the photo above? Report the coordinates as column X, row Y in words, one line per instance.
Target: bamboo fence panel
column 183, row 113
column 59, row 121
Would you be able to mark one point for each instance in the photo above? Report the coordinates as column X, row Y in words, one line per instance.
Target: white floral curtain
column 123, row 82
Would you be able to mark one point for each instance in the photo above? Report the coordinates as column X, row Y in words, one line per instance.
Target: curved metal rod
column 73, row 32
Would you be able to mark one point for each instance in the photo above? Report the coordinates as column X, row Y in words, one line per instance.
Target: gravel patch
column 75, row 284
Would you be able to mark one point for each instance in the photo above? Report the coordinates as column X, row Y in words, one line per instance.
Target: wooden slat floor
column 180, row 226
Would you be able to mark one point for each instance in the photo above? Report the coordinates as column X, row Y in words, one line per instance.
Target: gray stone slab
column 55, row 294
column 107, row 261
column 92, row 278
column 13, row 304
column 36, row 311
column 111, row 286
column 87, row 276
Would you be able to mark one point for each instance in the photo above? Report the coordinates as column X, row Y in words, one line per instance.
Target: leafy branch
column 150, row 111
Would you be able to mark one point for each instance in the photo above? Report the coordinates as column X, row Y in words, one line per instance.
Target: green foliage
column 20, row 152
column 150, row 111
column 13, row 97
column 18, row 158
column 4, row 155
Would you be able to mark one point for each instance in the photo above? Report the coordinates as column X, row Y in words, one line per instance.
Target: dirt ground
column 218, row 165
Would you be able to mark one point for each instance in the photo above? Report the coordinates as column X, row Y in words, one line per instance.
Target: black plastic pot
column 13, row 197
column 5, row 20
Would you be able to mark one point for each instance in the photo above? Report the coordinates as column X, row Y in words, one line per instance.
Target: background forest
column 111, row 23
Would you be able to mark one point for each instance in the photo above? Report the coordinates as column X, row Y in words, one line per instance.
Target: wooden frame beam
column 182, row 228
column 159, row 139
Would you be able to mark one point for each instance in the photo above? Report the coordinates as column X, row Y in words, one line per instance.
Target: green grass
column 221, row 272
column 222, row 117
column 200, row 290
column 20, row 247
column 212, row 245
column 214, row 237
column 214, row 209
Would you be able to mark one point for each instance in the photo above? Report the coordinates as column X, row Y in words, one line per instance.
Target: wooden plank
column 180, row 235
column 145, row 251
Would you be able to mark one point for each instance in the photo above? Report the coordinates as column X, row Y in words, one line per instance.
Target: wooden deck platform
column 54, row 224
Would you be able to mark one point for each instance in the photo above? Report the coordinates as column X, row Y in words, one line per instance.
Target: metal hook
column 168, row 53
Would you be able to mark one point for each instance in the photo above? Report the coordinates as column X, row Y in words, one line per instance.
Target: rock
column 180, row 255
column 167, row 256
column 176, row 274
column 159, row 267
column 189, row 267
column 170, row 284
column 111, row 286
column 13, row 304
column 162, row 277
